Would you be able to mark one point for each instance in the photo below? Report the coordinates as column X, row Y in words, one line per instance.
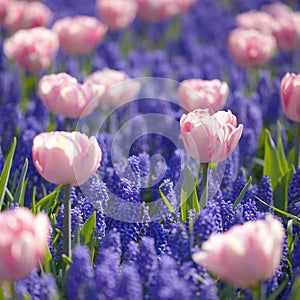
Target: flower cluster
column 143, row 159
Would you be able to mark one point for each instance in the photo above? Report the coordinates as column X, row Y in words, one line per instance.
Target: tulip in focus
column 119, row 88
column 246, row 254
column 251, row 48
column 66, row 157
column 62, row 94
column 210, row 138
column 254, row 19
column 32, row 49
column 23, row 242
column 79, row 35
column 198, row 93
column 117, row 14
column 24, row 15
column 158, row 10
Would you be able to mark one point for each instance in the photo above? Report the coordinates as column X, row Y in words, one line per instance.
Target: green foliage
column 6, row 171
column 278, row 168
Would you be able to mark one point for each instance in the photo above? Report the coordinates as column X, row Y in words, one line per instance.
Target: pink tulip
column 119, row 88
column 79, row 35
column 287, row 31
column 290, row 96
column 32, row 49
column 24, row 15
column 210, row 138
column 258, row 20
column 23, row 242
column 117, row 14
column 245, row 254
column 3, row 9
column 66, row 157
column 251, row 48
column 197, row 93
column 158, row 10
column 276, row 9
column 62, row 94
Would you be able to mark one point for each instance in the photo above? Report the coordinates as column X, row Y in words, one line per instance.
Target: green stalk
column 66, row 124
column 204, row 189
column 67, row 222
column 296, row 157
column 259, row 293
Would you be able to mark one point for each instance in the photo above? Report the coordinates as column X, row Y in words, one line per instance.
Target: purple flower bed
column 135, row 226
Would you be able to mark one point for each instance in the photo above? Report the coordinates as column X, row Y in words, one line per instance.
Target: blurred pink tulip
column 24, row 15
column 290, row 96
column 254, row 19
column 117, row 14
column 210, row 138
column 287, row 31
column 23, row 242
column 276, row 9
column 198, row 93
column 245, row 254
column 251, row 48
column 3, row 9
column 62, row 94
column 32, row 49
column 158, row 10
column 119, row 88
column 79, row 35
column 66, row 157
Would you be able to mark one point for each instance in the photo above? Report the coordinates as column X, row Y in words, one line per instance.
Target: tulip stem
column 296, row 157
column 204, row 189
column 259, row 292
column 67, row 222
column 66, row 124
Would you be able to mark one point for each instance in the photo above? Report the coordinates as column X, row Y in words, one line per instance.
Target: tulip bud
column 117, row 14
column 251, row 48
column 245, row 254
column 210, row 138
column 23, row 242
column 66, row 157
column 79, row 35
column 197, row 93
column 32, row 49
column 62, row 94
column 290, row 96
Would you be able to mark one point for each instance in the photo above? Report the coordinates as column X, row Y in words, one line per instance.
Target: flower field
column 150, row 149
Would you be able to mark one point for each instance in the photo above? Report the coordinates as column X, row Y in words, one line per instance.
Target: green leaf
column 2, row 296
column 188, row 198
column 48, row 264
column 295, row 295
column 272, row 165
column 277, row 292
column 282, row 156
column 183, row 207
column 195, row 200
column 295, row 218
column 67, row 260
column 6, row 171
column 280, row 193
column 242, row 193
column 165, row 199
column 46, row 202
column 33, row 201
column 20, row 191
column 88, row 229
